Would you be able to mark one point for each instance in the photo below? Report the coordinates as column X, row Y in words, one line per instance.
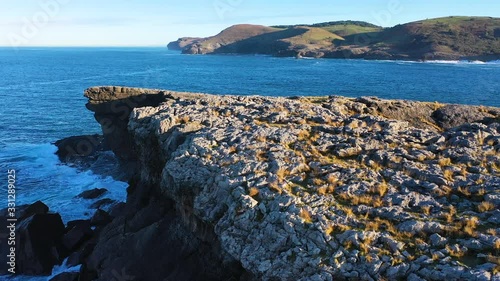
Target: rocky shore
column 318, row 188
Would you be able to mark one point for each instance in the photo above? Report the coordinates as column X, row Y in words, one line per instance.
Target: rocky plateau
column 297, row 188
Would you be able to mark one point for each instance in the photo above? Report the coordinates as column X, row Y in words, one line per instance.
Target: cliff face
column 255, row 188
column 181, row 43
column 452, row 38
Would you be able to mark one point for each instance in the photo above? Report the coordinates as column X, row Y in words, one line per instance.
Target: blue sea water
column 42, row 100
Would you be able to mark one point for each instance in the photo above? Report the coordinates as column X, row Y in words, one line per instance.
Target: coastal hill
column 451, row 38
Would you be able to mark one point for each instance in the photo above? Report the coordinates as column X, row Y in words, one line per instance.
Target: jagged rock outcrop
column 333, row 188
column 42, row 241
column 181, row 43
column 112, row 107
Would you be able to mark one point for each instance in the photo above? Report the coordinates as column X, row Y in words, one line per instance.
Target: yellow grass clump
column 305, row 215
column 485, row 206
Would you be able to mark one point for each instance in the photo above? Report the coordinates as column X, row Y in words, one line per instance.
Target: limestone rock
column 299, row 189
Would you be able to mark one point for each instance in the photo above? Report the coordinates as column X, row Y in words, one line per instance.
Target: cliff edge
column 326, row 188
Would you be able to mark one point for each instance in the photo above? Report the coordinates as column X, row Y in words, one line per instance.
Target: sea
column 41, row 101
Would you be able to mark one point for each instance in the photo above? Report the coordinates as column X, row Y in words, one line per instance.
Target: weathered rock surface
column 331, row 188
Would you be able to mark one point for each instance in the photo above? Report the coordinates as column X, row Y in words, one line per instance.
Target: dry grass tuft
column 444, row 162
column 305, row 215
column 465, row 191
column 485, row 206
column 426, row 210
column 491, row 231
column 329, row 230
column 183, row 119
column 303, row 135
column 281, row 174
column 233, row 149
column 396, row 261
column 496, row 245
column 274, row 186
column 448, row 174
column 471, row 225
column 253, row 192
column 332, row 179
column 455, row 251
column 260, row 138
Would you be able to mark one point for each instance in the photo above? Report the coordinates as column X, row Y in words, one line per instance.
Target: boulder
column 454, row 115
column 77, row 235
column 118, row 210
column 100, row 218
column 39, row 244
column 92, row 194
column 80, row 147
column 36, row 208
column 81, row 255
column 25, row 211
column 101, row 203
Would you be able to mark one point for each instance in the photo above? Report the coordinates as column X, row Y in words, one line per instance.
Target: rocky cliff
column 451, row 38
column 330, row 188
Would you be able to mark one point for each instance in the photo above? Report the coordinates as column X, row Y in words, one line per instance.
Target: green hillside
column 449, row 38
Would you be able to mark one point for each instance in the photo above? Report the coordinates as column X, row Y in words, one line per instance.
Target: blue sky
column 156, row 22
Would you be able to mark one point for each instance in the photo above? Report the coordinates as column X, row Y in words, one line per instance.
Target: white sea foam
column 58, row 269
column 41, row 176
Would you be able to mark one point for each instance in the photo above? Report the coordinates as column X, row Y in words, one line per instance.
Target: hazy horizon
column 154, row 23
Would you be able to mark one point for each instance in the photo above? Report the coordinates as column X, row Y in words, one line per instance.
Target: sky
column 157, row 22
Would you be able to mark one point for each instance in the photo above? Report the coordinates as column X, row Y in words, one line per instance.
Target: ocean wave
column 448, row 62
column 58, row 269
column 41, row 176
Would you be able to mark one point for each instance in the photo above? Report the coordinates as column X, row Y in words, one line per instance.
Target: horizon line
column 83, row 46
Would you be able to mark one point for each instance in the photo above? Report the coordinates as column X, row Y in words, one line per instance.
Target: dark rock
column 87, row 274
column 66, row 276
column 100, row 218
column 452, row 115
column 78, row 234
column 72, row 224
column 39, row 244
column 118, row 210
column 25, row 211
column 79, row 257
column 74, row 259
column 80, row 147
column 112, row 107
column 101, row 203
column 35, row 208
column 92, row 194
column 173, row 251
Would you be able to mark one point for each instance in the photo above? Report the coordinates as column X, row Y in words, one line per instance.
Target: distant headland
column 450, row 38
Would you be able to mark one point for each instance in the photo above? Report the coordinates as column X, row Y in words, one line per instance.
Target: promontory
column 326, row 188
column 450, row 38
